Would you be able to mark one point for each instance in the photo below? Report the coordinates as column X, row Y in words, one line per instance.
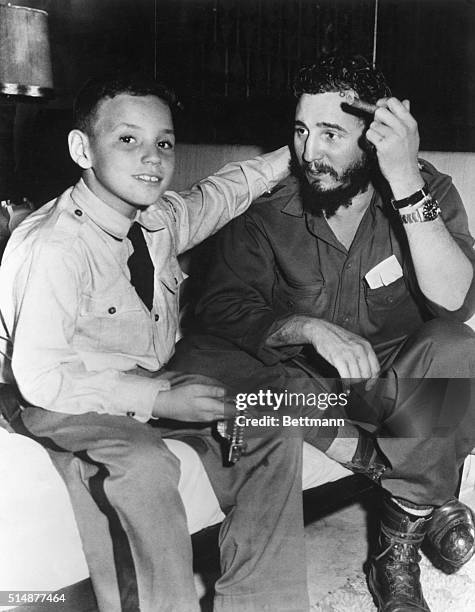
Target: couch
column 40, row 545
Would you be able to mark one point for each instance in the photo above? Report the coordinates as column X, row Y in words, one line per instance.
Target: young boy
column 83, row 345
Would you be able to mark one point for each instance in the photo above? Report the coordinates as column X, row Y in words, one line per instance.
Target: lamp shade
column 25, row 58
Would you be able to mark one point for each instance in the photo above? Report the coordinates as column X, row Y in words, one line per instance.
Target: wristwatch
column 418, row 207
column 429, row 211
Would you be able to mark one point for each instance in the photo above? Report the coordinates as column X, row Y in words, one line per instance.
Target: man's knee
column 447, row 333
column 440, row 348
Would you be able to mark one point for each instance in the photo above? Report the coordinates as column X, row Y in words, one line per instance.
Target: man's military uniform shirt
column 277, row 260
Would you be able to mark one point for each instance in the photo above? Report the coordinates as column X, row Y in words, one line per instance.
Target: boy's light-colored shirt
column 75, row 330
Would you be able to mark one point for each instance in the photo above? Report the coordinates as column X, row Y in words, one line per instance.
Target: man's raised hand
column 395, row 135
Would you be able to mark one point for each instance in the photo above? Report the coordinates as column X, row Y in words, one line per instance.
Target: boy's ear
column 79, row 149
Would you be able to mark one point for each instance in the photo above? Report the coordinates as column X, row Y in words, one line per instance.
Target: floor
column 340, row 541
column 337, row 548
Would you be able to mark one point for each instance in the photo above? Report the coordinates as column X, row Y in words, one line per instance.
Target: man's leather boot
column 451, row 534
column 394, row 574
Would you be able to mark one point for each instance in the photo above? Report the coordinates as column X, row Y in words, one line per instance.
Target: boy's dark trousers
column 123, row 481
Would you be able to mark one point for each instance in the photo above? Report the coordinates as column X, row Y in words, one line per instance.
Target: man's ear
column 79, row 149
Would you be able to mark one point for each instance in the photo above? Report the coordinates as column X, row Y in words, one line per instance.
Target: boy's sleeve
column 211, row 203
column 45, row 363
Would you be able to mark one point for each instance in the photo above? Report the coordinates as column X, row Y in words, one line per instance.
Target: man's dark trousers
column 422, row 410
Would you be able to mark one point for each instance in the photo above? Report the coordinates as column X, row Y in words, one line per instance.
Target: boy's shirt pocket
column 114, row 322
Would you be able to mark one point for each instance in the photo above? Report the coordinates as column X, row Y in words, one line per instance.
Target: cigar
column 363, row 106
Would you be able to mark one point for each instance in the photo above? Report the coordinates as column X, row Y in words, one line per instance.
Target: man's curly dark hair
column 339, row 73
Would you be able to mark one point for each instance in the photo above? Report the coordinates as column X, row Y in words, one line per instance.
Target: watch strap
column 413, row 199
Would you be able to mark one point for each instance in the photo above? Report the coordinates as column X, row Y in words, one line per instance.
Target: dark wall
column 232, row 63
column 233, row 60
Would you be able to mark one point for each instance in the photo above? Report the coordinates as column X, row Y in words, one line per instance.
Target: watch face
column 429, row 211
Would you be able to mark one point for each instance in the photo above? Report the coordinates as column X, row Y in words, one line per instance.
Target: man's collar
column 294, row 205
column 290, row 192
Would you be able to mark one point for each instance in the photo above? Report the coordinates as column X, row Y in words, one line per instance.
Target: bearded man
column 356, row 274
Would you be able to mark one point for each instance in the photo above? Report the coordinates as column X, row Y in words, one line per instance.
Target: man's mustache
column 316, row 167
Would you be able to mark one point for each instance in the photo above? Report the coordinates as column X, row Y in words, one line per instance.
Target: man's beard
column 318, row 201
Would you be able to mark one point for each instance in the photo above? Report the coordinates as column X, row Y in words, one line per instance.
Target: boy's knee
column 147, row 459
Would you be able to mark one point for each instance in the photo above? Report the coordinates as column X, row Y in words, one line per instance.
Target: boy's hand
column 395, row 135
column 191, row 401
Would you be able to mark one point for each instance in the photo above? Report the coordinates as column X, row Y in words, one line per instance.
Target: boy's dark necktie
column 141, row 266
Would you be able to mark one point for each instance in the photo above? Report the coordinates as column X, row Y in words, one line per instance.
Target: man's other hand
column 350, row 354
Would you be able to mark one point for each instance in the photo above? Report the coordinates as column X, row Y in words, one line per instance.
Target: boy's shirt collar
column 105, row 217
column 100, row 213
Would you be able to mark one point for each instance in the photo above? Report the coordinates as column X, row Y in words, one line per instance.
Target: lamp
column 25, row 74
column 25, row 58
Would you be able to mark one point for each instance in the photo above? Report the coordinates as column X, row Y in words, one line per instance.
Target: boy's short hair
column 338, row 73
column 97, row 89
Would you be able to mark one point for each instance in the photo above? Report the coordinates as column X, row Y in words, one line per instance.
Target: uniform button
column 156, row 317
column 112, row 310
column 130, row 413
column 78, row 212
column 349, row 266
column 290, row 303
column 390, row 299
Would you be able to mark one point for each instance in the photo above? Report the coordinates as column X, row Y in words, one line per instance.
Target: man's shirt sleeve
column 47, row 368
column 456, row 221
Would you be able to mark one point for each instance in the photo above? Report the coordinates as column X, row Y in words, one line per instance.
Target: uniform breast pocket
column 115, row 322
column 308, row 299
column 387, row 296
column 391, row 310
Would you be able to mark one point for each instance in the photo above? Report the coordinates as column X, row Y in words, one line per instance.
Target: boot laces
column 402, row 567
